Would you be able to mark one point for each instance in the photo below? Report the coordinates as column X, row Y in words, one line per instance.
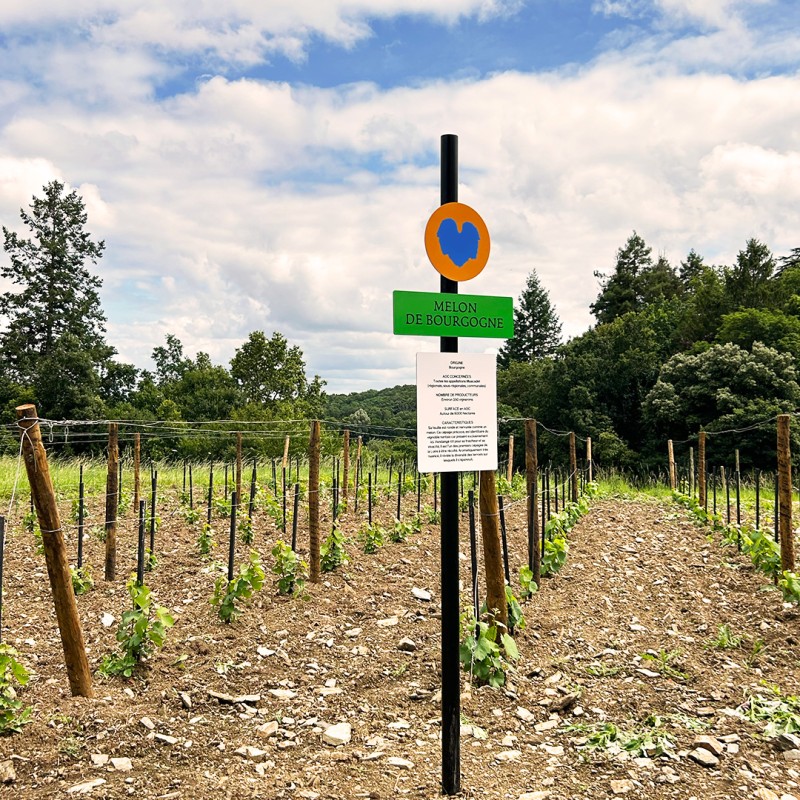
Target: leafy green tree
column 748, row 282
column 724, row 387
column 537, row 329
column 619, row 291
column 57, row 296
column 273, row 374
column 170, row 361
column 691, row 268
column 772, row 328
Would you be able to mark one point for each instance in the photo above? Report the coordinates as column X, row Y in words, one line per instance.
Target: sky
column 265, row 165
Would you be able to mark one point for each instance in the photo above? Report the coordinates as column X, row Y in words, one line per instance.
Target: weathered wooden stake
column 492, row 550
column 701, row 469
column 510, row 469
column 673, row 484
column 532, row 475
column 55, row 552
column 112, row 496
column 785, row 494
column 573, row 467
column 589, row 464
column 313, row 501
column 691, row 472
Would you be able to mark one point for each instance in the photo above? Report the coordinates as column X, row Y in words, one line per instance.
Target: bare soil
column 640, row 577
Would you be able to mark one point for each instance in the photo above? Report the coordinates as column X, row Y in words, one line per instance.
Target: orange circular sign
column 457, row 241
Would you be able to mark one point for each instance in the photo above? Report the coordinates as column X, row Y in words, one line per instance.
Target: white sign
column 456, row 412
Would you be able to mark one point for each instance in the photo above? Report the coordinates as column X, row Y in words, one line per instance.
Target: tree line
column 674, row 348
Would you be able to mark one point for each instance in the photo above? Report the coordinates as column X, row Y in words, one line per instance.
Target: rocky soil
column 336, row 696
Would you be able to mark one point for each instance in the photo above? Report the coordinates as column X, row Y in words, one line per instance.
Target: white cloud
column 247, row 205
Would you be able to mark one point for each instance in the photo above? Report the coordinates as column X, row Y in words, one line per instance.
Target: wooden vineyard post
column 532, row 474
column 345, row 466
column 510, row 468
column 589, row 465
column 701, row 469
column 573, row 467
column 785, row 494
column 313, row 501
column 691, row 472
column 238, row 467
column 492, row 551
column 671, row 455
column 112, row 499
column 137, row 465
column 55, row 552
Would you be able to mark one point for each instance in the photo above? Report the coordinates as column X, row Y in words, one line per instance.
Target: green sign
column 438, row 314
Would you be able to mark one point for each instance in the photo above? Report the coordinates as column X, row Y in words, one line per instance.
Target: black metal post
column 451, row 677
column 294, row 515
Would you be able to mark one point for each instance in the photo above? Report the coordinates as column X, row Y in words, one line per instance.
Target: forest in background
column 674, row 348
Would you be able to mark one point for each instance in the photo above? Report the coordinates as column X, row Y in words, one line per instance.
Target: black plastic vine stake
column 738, row 498
column 191, row 487
column 335, row 494
column 399, row 493
column 2, row 559
column 555, row 487
column 369, row 498
column 153, row 498
column 544, row 501
column 140, row 547
column 714, row 488
column 274, row 479
column 226, row 481
column 232, row 540
column 419, row 492
column 210, row 491
column 503, row 537
column 473, row 553
column 758, row 499
column 251, row 507
column 184, row 476
column 435, row 491
column 80, row 518
column 294, row 515
column 391, row 472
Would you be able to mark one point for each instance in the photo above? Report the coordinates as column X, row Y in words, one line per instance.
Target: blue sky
column 268, row 165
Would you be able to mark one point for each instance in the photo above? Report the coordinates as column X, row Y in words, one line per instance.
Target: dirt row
column 622, row 636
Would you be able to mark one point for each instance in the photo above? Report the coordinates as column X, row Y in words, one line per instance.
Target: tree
column 537, row 329
column 725, row 387
column 271, row 373
column 619, row 291
column 747, row 283
column 691, row 268
column 58, row 296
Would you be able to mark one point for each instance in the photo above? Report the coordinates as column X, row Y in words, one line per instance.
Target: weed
column 647, row 739
column 432, row 517
column 665, row 663
column 725, row 639
column 781, row 713
column 599, row 670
